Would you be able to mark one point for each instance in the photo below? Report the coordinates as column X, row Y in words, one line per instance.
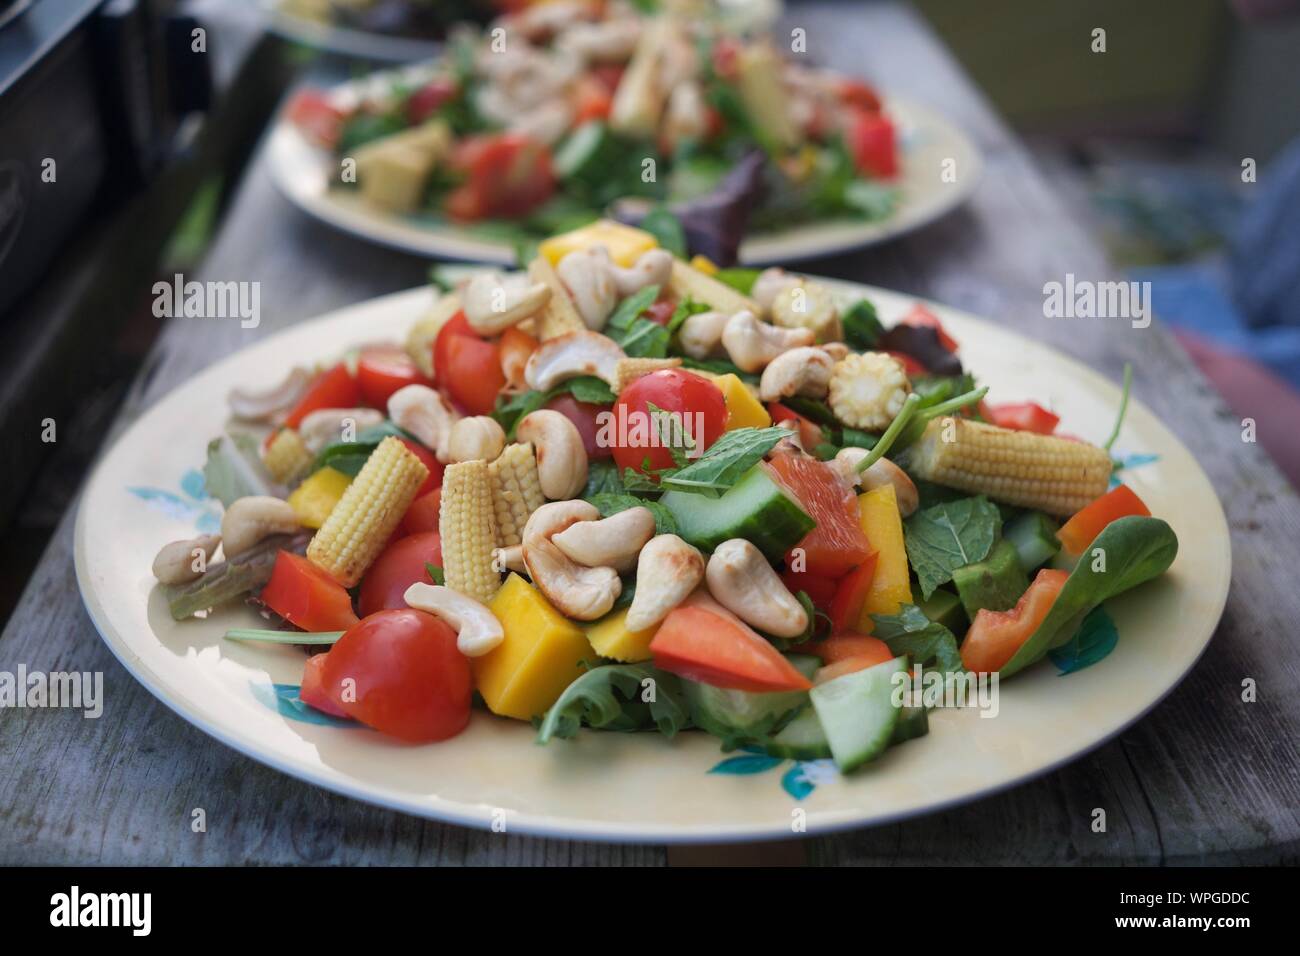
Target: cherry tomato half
column 699, row 413
column 335, row 388
column 307, row 597
column 431, row 462
column 382, row 370
column 401, row 564
column 467, row 366
column 423, row 513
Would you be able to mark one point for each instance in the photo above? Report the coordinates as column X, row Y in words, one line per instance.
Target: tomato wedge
column 335, row 388
column 312, row 692
column 431, row 462
column 1081, row 530
column 872, row 142
column 820, row 590
column 851, row 594
column 846, row 646
column 401, row 564
column 810, row 432
column 307, row 597
column 922, row 317
column 995, row 636
column 318, row 118
column 467, row 366
column 382, row 370
column 837, row 545
column 423, row 513
column 1021, row 416
column 703, row 641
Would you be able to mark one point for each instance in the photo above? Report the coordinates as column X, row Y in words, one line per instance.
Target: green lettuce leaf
column 613, row 697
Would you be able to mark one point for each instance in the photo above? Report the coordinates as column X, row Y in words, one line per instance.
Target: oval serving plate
column 304, row 172
column 633, row 787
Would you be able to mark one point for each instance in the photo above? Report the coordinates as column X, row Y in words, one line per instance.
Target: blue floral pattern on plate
column 193, row 504
column 799, row 780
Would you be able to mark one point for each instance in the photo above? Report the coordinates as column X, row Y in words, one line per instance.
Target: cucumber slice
column 739, row 716
column 995, row 583
column 583, row 155
column 1034, row 536
column 944, row 607
column 755, row 508
column 913, row 722
column 801, row 739
column 857, row 712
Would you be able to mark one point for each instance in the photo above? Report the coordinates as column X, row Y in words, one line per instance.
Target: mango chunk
column 611, row 638
column 315, row 498
column 744, row 410
column 880, row 521
column 624, row 243
column 704, row 264
column 540, row 656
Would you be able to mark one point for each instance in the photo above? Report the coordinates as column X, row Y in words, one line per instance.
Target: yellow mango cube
column 610, row 637
column 315, row 498
column 704, row 264
column 744, row 410
column 541, row 655
column 624, row 243
column 881, row 523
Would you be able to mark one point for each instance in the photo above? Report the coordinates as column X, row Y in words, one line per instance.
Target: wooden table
column 1204, row 778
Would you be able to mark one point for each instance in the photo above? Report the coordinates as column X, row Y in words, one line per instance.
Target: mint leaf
column 602, row 476
column 610, row 503
column 435, row 573
column 926, row 642
column 949, row 536
column 644, row 339
column 861, row 326
column 631, row 308
column 726, row 461
column 589, row 389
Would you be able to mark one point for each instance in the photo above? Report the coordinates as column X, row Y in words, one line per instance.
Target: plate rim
column 478, row 816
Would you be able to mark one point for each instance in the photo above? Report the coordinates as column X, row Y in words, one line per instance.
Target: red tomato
column 516, row 346
column 911, row 367
column 661, row 311
column 871, row 140
column 851, row 595
column 609, row 74
column 837, row 545
column 333, row 389
column 995, row 636
column 508, row 175
column 312, row 692
column 400, row 565
column 921, row 316
column 821, row 591
column 703, row 641
column 726, row 56
column 407, row 677
column 429, row 98
column 467, row 366
column 810, row 432
column 423, row 513
column 382, row 370
column 585, row 417
column 859, row 94
column 431, row 462
column 849, row 646
column 591, row 100
column 1021, row 416
column 313, row 113
column 1091, row 520
column 307, row 597
column 638, row 437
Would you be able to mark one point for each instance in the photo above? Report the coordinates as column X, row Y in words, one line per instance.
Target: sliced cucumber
column 857, row 712
column 739, row 716
column 755, row 508
column 995, row 583
column 913, row 722
column 801, row 739
column 1034, row 536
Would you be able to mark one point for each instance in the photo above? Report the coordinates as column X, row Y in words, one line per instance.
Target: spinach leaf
column 862, row 326
column 726, row 461
column 949, row 536
column 927, row 642
column 1129, row 552
column 667, row 228
column 623, row 697
column 610, row 503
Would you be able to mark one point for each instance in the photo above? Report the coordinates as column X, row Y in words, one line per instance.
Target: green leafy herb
column 640, row 482
column 742, row 280
column 685, row 309
column 602, row 478
column 862, row 326
column 644, row 339
column 585, row 388
column 726, row 461
column 667, row 228
column 589, row 389
column 283, row 637
column 631, row 308
column 949, row 536
column 673, row 434
column 926, row 642
column 621, row 697
column 610, row 503
column 1129, row 552
column 349, row 456
column 435, row 573
column 1123, row 406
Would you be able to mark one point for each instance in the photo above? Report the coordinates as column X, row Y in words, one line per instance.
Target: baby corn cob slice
column 687, row 282
column 629, row 370
column 359, row 526
column 1020, row 468
column 287, row 457
column 467, row 524
column 419, row 341
column 560, row 315
column 516, row 491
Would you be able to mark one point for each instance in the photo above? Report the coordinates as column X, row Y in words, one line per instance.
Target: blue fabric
column 1265, row 256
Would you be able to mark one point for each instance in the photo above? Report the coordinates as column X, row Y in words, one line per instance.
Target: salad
column 559, row 113
column 624, row 491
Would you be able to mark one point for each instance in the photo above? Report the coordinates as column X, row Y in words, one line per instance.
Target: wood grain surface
column 1203, row 778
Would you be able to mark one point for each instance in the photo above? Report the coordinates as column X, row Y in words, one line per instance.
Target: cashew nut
column 561, row 456
column 768, row 285
column 327, row 425
column 493, row 302
column 510, row 558
column 479, row 438
column 752, row 344
column 836, row 350
column 176, row 561
column 588, row 276
column 653, row 267
column 882, row 472
column 570, row 355
column 263, row 405
column 424, row 413
column 612, row 542
column 578, row 592
column 477, row 629
column 250, row 520
column 700, row 335
column 741, row 580
column 802, row 371
column 669, row 569
column 793, row 441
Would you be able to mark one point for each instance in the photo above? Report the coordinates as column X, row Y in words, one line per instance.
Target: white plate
column 637, row 787
column 304, row 172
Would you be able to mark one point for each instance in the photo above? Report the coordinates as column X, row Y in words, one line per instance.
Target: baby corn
column 516, row 491
column 629, row 370
column 560, row 315
column 689, row 283
column 287, row 456
column 467, row 524
column 1020, row 468
column 361, row 523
